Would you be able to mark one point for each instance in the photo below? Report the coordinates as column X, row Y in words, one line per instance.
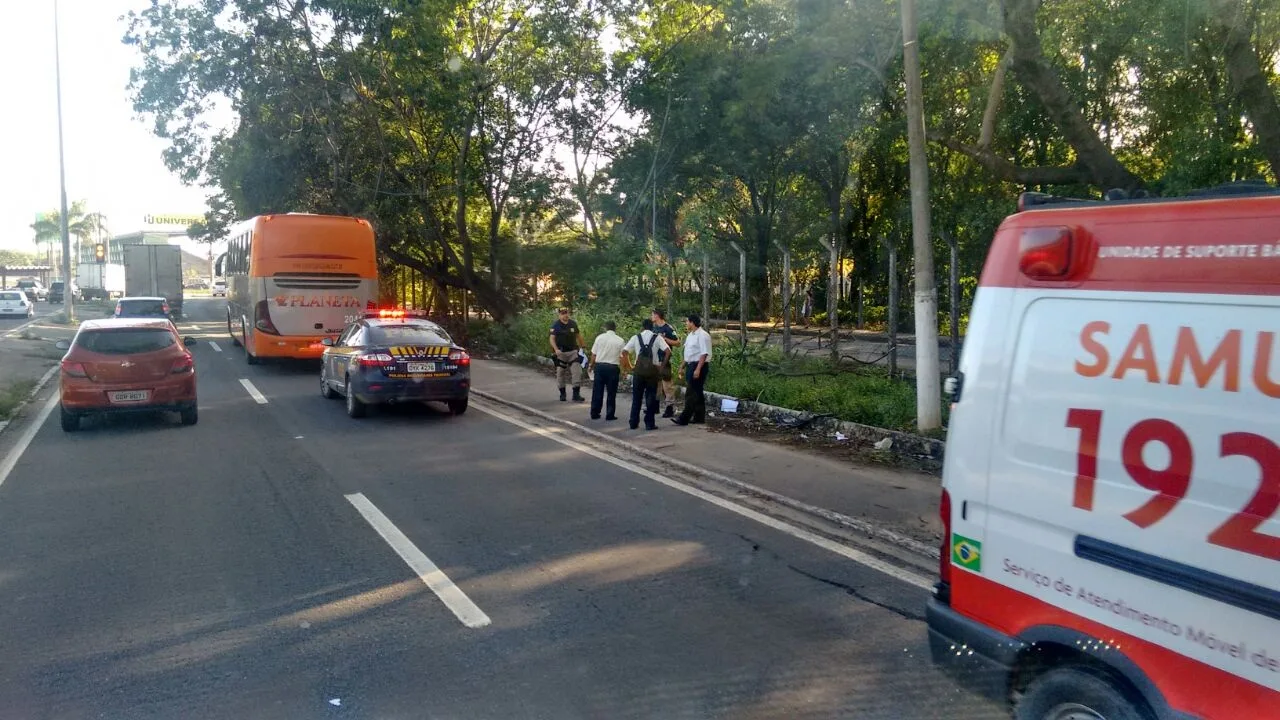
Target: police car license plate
column 421, row 367
column 130, row 396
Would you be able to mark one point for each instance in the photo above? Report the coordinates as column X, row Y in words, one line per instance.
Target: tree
column 81, row 225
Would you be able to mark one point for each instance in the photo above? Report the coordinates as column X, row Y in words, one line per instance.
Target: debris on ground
column 838, row 447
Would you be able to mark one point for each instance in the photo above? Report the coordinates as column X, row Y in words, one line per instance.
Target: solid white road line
column 216, row 347
column 847, row 552
column 28, row 435
column 15, row 330
column 253, row 391
column 451, row 595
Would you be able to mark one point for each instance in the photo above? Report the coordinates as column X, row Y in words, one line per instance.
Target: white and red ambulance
column 1113, row 463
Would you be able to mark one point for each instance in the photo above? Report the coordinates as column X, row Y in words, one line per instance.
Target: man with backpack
column 646, row 347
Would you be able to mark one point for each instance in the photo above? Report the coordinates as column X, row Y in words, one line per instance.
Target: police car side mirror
column 327, row 342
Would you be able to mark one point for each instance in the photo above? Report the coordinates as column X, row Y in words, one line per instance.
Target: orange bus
column 294, row 279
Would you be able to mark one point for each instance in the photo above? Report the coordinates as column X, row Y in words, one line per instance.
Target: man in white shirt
column 647, row 374
column 605, row 354
column 697, row 364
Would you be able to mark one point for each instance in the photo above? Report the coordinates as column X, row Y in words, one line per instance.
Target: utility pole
column 68, row 305
column 928, row 372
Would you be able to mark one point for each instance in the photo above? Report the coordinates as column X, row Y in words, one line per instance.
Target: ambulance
column 1112, row 478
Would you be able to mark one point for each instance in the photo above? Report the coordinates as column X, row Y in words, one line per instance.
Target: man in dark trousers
column 697, row 365
column 666, row 384
column 566, row 341
column 605, row 354
column 645, row 347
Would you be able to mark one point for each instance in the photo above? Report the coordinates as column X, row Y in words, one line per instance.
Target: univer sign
column 183, row 220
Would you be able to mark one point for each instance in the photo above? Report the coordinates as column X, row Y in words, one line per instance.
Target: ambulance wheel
column 1077, row 693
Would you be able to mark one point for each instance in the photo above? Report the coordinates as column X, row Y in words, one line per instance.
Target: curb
column 44, row 380
column 831, row 516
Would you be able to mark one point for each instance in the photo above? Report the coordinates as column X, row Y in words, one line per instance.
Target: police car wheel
column 326, row 391
column 1077, row 693
column 457, row 407
column 355, row 408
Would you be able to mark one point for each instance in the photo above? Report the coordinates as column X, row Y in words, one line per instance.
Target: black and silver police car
column 395, row 356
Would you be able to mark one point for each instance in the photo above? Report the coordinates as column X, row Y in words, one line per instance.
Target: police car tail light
column 944, row 556
column 375, row 360
column 262, row 318
column 1044, row 253
column 460, row 357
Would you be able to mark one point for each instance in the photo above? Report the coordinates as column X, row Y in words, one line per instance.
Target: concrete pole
column 706, row 287
column 68, row 304
column 742, row 291
column 928, row 371
column 786, row 296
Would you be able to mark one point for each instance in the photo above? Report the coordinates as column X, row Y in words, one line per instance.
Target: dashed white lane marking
column 861, row 558
column 216, row 347
column 253, row 391
column 451, row 595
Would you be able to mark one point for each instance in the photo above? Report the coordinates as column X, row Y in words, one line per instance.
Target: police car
column 395, row 356
column 1112, row 479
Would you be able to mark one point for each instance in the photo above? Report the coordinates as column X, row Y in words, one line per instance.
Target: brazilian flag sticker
column 966, row 553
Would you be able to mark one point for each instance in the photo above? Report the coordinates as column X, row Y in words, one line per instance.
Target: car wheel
column 248, row 356
column 1076, row 692
column 326, row 391
column 70, row 420
column 355, row 408
column 457, row 407
column 190, row 414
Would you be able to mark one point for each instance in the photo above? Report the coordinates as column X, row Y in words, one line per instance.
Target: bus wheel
column 234, row 340
column 1076, row 692
column 249, row 357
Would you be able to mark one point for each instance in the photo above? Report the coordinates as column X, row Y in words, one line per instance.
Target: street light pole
column 67, row 301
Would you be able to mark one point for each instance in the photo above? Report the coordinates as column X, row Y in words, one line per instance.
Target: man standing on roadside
column 645, row 346
column 566, row 341
column 605, row 355
column 665, row 382
column 697, row 364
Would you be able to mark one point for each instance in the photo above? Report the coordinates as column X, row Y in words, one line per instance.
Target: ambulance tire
column 1077, row 692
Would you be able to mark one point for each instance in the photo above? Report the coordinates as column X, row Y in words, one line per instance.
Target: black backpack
column 645, row 368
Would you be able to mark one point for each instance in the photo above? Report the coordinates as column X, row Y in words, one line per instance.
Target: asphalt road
column 149, row 570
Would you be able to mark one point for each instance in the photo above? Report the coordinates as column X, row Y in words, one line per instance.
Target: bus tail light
column 262, row 318
column 460, row 357
column 73, row 369
column 184, row 364
column 375, row 360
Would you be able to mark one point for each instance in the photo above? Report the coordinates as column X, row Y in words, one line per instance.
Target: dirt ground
column 815, row 440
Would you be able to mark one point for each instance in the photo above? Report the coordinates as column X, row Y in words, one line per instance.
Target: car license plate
column 129, row 396
column 421, row 367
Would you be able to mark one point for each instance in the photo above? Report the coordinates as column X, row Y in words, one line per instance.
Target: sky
column 112, row 160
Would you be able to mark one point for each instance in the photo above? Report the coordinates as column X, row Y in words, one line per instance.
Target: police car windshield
column 409, row 334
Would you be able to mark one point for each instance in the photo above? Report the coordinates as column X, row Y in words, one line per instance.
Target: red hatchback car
column 121, row 365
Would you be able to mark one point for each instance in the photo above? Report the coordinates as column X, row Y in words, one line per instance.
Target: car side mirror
column 327, row 342
column 188, row 341
column 63, row 344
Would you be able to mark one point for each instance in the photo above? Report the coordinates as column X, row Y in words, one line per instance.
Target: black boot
column 562, row 397
column 669, row 412
column 577, row 395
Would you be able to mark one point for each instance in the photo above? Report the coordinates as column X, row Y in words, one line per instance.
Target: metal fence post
column 786, row 297
column 742, row 291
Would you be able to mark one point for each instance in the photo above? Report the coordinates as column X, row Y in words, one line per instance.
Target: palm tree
column 80, row 225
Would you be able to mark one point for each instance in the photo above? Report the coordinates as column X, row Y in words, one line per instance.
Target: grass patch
column 863, row 395
column 13, row 395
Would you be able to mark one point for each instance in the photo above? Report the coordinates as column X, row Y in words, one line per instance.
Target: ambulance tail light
column 944, row 552
column 1044, row 253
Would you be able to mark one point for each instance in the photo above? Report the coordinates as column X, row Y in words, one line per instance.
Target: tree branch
column 994, row 96
column 1004, row 169
column 1248, row 81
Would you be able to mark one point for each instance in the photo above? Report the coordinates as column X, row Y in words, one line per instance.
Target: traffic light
column 100, row 252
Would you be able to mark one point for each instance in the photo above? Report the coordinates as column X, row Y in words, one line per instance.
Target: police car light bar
column 395, row 313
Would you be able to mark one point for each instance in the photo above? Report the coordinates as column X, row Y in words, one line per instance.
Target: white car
column 219, row 288
column 14, row 303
